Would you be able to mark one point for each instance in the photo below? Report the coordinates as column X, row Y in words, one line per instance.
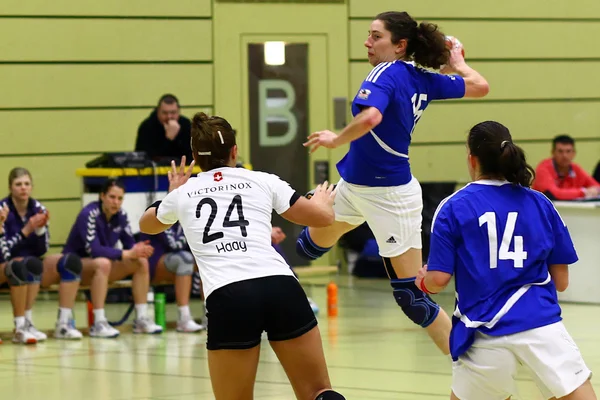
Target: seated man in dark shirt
column 165, row 134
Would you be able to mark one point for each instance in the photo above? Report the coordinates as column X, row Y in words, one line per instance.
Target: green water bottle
column 159, row 310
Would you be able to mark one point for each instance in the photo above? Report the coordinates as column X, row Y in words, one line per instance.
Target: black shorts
column 239, row 312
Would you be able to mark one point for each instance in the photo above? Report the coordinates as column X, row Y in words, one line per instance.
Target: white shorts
column 488, row 369
column 393, row 213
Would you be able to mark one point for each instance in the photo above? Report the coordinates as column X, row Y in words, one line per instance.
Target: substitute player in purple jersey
column 27, row 240
column 95, row 237
column 376, row 183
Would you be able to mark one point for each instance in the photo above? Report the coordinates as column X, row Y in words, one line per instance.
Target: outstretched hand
column 179, row 178
column 325, row 193
column 321, row 138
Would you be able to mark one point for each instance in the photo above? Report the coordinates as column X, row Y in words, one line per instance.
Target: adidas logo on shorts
column 391, row 240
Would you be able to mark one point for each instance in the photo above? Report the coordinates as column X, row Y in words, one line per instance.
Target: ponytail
column 428, row 47
column 513, row 165
column 491, row 142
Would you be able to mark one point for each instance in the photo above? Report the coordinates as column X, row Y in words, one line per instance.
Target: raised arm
column 475, row 84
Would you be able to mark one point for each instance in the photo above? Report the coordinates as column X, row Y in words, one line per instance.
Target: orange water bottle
column 90, row 314
column 332, row 299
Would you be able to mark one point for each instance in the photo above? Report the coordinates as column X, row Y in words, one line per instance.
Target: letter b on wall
column 276, row 109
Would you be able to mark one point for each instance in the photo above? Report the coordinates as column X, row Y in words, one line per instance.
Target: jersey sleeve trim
column 377, row 71
column 294, row 198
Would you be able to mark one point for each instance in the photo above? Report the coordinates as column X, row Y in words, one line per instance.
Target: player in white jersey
column 225, row 213
column 509, row 251
column 377, row 185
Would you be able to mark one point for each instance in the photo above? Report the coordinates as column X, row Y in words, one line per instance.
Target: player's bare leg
column 233, row 372
column 328, row 236
column 304, row 363
column 583, row 392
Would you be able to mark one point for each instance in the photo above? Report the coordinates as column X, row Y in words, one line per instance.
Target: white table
column 583, row 222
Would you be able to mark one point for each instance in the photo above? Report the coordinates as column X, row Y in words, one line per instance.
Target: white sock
column 141, row 310
column 65, row 315
column 29, row 315
column 19, row 322
column 184, row 313
column 99, row 315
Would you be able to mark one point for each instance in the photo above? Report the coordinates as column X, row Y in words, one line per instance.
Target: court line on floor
column 330, row 366
column 166, row 375
column 133, row 352
column 86, row 352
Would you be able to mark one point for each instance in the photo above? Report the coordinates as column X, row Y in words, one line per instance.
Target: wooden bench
column 114, row 285
column 301, row 271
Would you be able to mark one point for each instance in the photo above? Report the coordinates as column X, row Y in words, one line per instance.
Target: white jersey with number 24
column 225, row 214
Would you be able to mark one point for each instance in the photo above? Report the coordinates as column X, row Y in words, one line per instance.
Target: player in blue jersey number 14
column 509, row 251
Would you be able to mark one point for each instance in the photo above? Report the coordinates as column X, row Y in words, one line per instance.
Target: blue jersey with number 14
column 498, row 240
column 401, row 92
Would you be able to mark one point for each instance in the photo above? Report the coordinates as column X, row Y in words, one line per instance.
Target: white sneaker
column 146, row 325
column 23, row 336
column 189, row 326
column 102, row 329
column 67, row 331
column 39, row 336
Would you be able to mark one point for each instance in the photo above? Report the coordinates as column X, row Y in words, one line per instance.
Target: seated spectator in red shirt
column 560, row 178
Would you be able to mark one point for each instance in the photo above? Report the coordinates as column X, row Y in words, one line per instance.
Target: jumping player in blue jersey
column 376, row 183
column 509, row 251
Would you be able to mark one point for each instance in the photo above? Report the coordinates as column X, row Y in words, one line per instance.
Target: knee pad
column 307, row 249
column 34, row 268
column 330, row 395
column 69, row 268
column 180, row 263
column 417, row 306
column 16, row 273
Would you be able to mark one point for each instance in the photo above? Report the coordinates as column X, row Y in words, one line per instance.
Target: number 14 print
column 518, row 255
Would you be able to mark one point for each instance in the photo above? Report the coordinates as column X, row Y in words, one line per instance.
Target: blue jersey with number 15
column 498, row 240
column 401, row 92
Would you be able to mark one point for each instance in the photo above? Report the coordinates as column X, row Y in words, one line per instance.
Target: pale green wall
column 78, row 77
